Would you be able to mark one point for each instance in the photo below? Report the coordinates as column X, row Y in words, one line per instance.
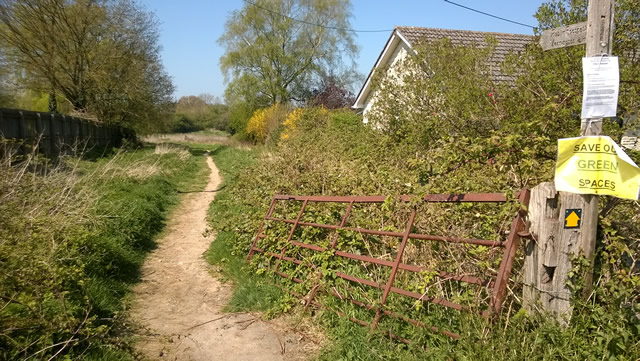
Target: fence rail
column 55, row 133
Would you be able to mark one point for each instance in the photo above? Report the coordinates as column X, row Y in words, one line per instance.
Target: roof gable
column 413, row 36
column 506, row 43
column 389, row 48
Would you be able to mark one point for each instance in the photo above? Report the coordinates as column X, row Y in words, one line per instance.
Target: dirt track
column 179, row 302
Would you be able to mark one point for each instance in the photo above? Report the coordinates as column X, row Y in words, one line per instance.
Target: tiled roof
column 506, row 43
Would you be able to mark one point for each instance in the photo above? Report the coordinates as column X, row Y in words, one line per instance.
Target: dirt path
column 179, row 303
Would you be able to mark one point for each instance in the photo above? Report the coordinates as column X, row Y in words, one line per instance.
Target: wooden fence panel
column 53, row 133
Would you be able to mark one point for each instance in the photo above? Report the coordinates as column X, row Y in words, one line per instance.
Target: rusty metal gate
column 496, row 286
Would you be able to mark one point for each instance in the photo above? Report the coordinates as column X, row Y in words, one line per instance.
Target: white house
column 403, row 39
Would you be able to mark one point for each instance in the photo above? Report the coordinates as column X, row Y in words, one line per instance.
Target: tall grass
column 73, row 235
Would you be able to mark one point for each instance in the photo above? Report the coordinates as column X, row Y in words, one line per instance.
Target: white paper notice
column 601, row 83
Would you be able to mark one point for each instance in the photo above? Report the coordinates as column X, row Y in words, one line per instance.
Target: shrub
column 290, row 123
column 265, row 124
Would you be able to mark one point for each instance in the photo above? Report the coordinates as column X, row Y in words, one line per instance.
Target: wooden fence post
column 40, row 134
column 52, row 134
column 543, row 286
column 548, row 255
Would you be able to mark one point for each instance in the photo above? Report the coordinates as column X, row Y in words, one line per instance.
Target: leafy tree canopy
column 102, row 56
column 275, row 53
column 332, row 94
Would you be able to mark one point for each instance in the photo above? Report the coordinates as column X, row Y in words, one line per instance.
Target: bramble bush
column 337, row 155
column 447, row 128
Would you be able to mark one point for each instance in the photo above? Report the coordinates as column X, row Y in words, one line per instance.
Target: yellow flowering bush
column 256, row 126
column 290, row 123
column 264, row 123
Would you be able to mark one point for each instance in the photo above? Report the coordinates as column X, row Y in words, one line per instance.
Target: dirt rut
column 179, row 302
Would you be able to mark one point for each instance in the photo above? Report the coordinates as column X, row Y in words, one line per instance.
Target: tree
column 6, row 98
column 193, row 113
column 276, row 47
column 218, row 112
column 243, row 100
column 102, row 56
column 210, row 98
column 192, row 105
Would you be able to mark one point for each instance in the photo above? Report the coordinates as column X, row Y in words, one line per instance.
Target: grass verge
column 73, row 236
column 249, row 292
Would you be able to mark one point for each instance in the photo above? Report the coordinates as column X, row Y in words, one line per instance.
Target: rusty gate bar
column 293, row 230
column 255, row 240
column 436, row 198
column 382, row 262
column 397, row 315
column 333, row 246
column 394, row 268
column 497, row 286
column 416, row 323
column 518, row 226
column 505, row 266
column 342, row 224
column 334, row 199
column 469, row 197
column 479, row 242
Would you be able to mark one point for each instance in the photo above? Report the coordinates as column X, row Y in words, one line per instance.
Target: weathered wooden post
column 565, row 224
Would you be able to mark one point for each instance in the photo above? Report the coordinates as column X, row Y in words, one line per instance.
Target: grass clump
column 73, row 235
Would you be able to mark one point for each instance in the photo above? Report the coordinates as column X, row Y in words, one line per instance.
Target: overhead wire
column 316, row 24
column 378, row 30
column 487, row 14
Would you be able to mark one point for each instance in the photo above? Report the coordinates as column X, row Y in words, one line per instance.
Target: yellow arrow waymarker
column 572, row 220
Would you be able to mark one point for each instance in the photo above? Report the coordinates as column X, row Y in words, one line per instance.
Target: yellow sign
column 596, row 165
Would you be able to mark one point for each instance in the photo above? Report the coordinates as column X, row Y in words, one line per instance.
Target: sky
column 189, row 30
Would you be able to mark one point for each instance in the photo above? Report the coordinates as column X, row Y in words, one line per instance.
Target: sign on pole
column 630, row 142
column 596, row 165
column 564, row 36
column 600, row 90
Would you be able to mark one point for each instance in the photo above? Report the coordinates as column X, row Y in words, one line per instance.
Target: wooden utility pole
column 600, row 30
column 599, row 41
column 565, row 224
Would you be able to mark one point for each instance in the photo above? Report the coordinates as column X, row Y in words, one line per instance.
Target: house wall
column 400, row 53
